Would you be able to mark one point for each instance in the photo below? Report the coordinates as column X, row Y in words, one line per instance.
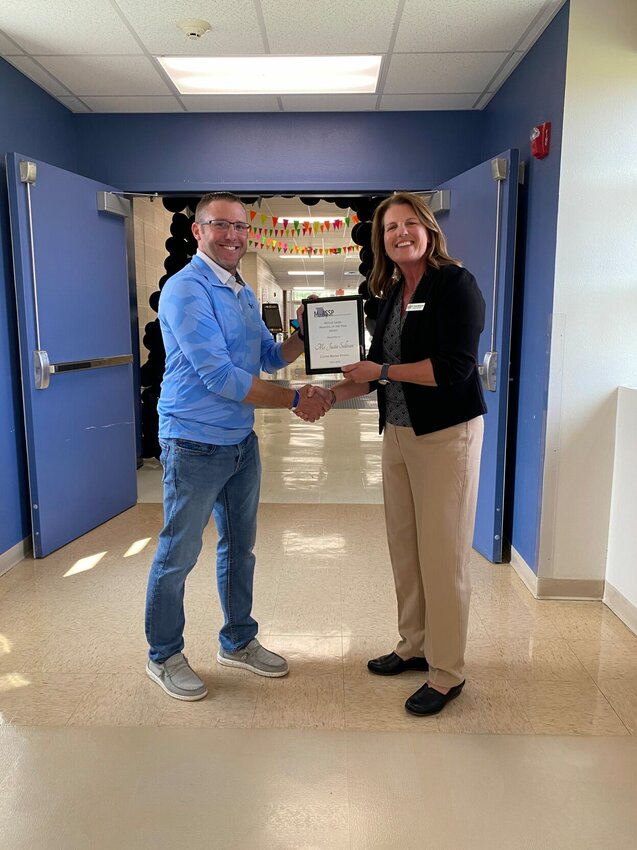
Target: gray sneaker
column 256, row 658
column 177, row 678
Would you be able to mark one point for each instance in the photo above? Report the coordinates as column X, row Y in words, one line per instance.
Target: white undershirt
column 234, row 281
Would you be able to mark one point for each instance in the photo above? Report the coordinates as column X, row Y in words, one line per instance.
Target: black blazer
column 447, row 331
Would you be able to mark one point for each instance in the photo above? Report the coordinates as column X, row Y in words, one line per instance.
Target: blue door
column 72, row 298
column 480, row 231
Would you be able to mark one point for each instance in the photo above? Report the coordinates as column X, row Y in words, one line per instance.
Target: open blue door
column 69, row 249
column 480, row 231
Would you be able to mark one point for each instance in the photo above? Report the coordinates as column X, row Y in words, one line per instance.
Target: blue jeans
column 199, row 480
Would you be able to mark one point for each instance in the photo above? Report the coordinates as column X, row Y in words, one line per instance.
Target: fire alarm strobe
column 540, row 140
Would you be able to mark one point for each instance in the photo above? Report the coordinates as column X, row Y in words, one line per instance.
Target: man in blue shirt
column 216, row 345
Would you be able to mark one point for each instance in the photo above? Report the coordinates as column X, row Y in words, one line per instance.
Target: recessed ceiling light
column 273, row 74
column 317, row 273
column 306, row 288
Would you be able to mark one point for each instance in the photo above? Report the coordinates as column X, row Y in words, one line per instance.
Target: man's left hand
column 300, row 310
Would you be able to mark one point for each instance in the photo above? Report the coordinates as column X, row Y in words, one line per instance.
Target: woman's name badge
column 413, row 307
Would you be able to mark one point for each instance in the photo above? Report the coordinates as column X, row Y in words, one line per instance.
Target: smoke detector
column 194, row 27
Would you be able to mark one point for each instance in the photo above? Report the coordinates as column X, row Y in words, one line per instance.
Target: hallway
column 539, row 751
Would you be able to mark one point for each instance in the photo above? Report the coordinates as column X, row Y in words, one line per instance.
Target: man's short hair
column 216, row 196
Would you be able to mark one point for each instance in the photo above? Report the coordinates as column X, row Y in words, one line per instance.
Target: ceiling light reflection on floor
column 85, row 564
column 323, row 543
column 5, row 645
column 12, row 681
column 136, row 547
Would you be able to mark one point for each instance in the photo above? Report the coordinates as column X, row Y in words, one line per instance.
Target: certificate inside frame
column 334, row 330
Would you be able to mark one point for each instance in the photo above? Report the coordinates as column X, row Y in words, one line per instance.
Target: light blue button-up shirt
column 215, row 344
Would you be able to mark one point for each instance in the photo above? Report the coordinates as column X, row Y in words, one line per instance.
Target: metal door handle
column 488, row 371
column 44, row 369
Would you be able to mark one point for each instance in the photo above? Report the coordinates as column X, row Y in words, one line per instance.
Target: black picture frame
column 310, row 304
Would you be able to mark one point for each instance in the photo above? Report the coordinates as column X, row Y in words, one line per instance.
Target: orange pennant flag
column 252, row 215
column 275, row 218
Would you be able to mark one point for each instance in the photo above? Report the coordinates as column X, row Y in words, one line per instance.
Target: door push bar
column 488, row 369
column 42, row 368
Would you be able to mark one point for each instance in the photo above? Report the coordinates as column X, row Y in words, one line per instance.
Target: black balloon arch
column 181, row 246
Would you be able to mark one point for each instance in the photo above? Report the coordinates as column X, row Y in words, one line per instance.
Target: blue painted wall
column 339, row 152
column 534, row 93
column 35, row 124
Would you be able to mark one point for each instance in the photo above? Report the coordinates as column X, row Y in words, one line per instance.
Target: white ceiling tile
column 66, row 26
column 234, row 27
column 106, row 75
column 73, row 104
column 442, row 46
column 8, row 47
column 399, row 102
column 328, row 102
column 329, row 26
column 34, row 72
column 439, row 73
column 464, row 25
column 133, row 104
column 230, row 103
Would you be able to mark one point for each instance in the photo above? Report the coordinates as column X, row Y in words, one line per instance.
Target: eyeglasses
column 223, row 226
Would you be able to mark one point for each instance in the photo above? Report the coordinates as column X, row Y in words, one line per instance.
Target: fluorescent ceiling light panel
column 306, row 288
column 273, row 74
column 312, row 218
column 317, row 273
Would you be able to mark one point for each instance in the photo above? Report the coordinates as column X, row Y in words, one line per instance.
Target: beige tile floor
column 546, row 678
column 72, row 645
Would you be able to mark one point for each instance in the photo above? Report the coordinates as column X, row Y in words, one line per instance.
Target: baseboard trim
column 15, row 554
column 622, row 607
column 570, row 588
column 524, row 571
column 556, row 588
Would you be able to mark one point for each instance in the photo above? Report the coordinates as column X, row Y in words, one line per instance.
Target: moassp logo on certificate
column 322, row 313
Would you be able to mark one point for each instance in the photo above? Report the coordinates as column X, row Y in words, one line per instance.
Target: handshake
column 314, row 402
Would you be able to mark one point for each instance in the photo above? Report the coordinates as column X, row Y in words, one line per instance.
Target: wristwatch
column 384, row 377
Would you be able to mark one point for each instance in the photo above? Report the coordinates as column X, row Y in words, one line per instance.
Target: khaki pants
column 430, row 486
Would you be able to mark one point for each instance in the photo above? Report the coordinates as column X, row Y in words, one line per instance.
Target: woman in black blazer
column 423, row 362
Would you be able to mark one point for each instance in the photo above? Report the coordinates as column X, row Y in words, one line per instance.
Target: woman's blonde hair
column 383, row 275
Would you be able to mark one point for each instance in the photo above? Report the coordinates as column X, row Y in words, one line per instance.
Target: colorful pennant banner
column 297, row 226
column 284, row 248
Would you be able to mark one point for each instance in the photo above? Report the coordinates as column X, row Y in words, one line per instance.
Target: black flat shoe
column 392, row 665
column 428, row 700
